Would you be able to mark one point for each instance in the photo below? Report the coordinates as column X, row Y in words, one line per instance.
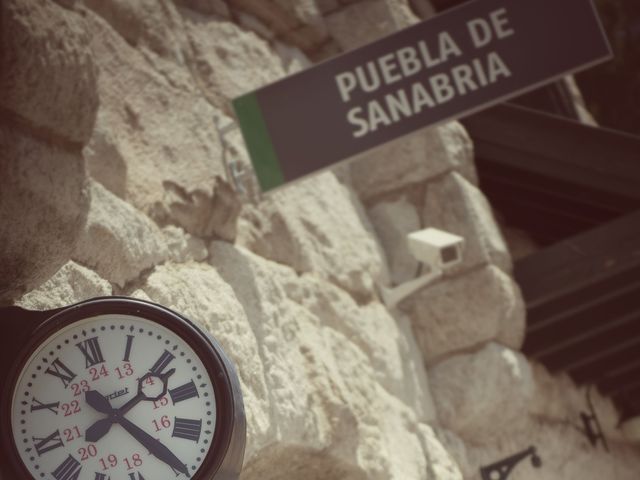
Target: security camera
column 438, row 249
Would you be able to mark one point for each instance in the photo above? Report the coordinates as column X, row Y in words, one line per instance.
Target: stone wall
column 115, row 180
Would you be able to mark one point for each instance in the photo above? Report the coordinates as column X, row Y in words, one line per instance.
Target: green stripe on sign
column 254, row 130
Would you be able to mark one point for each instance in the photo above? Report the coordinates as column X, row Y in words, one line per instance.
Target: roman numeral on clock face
column 184, row 392
column 38, row 405
column 127, row 349
column 136, row 476
column 68, row 470
column 164, row 360
column 187, row 429
column 60, row 370
column 90, row 348
column 101, row 476
column 44, row 445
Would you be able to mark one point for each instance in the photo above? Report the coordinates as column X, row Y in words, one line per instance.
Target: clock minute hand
column 154, row 446
column 98, row 430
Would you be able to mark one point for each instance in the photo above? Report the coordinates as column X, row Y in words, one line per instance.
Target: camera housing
column 438, row 249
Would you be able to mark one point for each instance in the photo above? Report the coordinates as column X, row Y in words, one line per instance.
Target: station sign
column 472, row 57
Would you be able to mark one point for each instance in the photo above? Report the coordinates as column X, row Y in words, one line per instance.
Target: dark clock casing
column 24, row 330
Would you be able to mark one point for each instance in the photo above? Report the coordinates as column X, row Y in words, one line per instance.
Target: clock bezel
column 229, row 409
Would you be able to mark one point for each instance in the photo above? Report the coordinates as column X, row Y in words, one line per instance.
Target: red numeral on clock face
column 125, row 371
column 162, row 424
column 97, row 373
column 89, row 451
column 163, row 402
column 80, row 388
column 135, row 461
column 109, row 462
column 70, row 434
column 71, row 408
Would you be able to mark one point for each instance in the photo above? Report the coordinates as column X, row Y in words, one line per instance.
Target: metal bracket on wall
column 502, row 469
column 238, row 175
column 234, row 171
column 592, row 428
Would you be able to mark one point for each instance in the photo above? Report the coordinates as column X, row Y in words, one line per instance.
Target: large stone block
column 293, row 59
column 43, row 207
column 316, row 225
column 482, row 395
column 290, row 462
column 442, row 454
column 284, row 332
column 363, row 22
column 393, row 221
column 228, row 61
column 72, row 283
column 145, row 24
column 297, row 22
column 184, row 247
column 417, row 158
column 465, row 311
column 118, row 241
column 327, row 382
column 198, row 292
column 455, row 205
column 155, row 142
column 47, row 74
column 455, row 449
column 387, row 341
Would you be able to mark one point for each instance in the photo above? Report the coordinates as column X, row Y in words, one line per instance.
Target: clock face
column 113, row 397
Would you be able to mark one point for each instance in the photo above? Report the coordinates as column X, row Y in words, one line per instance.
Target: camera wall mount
column 439, row 250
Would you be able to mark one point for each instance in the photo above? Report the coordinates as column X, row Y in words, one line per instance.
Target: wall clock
column 116, row 389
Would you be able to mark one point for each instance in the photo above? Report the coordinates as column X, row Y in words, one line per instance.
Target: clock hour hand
column 100, row 428
column 98, row 402
column 154, row 446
